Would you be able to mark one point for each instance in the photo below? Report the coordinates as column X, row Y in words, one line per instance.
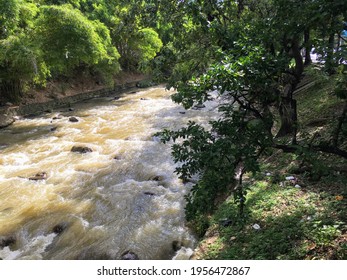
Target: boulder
column 39, row 176
column 176, row 245
column 7, row 241
column 128, row 255
column 6, row 117
column 81, row 149
column 59, row 228
column 73, row 119
column 149, row 193
column 156, row 178
column 199, row 106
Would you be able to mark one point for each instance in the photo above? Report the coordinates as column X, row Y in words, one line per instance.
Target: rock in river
column 59, row 228
column 39, row 176
column 128, row 255
column 7, row 241
column 73, row 119
column 81, row 149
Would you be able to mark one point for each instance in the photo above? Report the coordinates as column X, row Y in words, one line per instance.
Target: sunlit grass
column 294, row 224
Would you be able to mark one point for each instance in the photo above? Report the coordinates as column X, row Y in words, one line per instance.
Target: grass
column 306, row 222
column 295, row 223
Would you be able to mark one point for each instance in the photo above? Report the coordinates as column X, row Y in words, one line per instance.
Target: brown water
column 106, row 206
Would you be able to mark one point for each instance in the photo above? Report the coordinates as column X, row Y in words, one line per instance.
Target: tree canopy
column 255, row 54
column 43, row 39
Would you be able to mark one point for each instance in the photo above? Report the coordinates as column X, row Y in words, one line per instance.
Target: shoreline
column 9, row 114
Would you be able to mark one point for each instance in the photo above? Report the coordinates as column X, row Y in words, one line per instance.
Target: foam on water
column 122, row 196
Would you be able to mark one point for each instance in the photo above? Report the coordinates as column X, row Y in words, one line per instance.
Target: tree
column 21, row 62
column 68, row 39
column 258, row 65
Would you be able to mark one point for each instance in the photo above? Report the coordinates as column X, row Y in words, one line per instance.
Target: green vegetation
column 59, row 40
column 257, row 63
column 304, row 218
column 293, row 224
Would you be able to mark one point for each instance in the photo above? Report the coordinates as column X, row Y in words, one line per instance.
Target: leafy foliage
column 63, row 37
column 69, row 39
column 256, row 64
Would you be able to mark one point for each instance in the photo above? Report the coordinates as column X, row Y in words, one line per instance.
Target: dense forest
column 254, row 53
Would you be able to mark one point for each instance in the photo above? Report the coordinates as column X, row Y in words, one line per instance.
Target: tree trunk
column 287, row 108
column 288, row 115
column 330, row 63
column 11, row 90
column 308, row 47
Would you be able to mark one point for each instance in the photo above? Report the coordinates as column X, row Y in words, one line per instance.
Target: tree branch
column 320, row 148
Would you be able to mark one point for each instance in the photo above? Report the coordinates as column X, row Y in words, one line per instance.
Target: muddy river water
column 122, row 195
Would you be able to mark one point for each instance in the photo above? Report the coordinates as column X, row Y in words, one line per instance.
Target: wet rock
column 6, row 118
column 71, row 109
column 3, row 145
column 9, row 104
column 73, row 119
column 132, row 92
column 58, row 117
column 7, row 241
column 144, row 98
column 129, row 255
column 116, row 98
column 156, row 178
column 199, row 106
column 49, row 111
column 54, row 128
column 59, row 228
column 176, row 245
column 182, row 113
column 149, row 193
column 39, row 176
column 81, row 149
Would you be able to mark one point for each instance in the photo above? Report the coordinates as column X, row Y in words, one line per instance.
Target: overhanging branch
column 319, row 148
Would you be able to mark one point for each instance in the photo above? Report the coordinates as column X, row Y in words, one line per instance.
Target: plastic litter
column 256, row 227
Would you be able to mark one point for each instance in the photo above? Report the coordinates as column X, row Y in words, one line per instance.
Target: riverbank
column 293, row 210
column 40, row 101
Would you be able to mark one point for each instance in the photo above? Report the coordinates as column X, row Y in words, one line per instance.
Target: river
column 123, row 196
